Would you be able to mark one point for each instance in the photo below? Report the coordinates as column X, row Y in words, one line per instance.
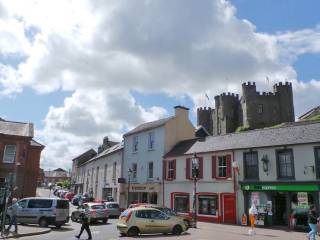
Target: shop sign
column 144, row 188
column 280, row 187
column 302, row 199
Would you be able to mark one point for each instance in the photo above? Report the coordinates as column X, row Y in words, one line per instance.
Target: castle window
column 260, row 108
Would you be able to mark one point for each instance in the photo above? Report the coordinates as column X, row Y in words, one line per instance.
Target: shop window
column 9, row 153
column 263, row 205
column 208, row 205
column 222, row 166
column 300, row 203
column 285, row 165
column 317, row 158
column 251, row 166
column 181, row 203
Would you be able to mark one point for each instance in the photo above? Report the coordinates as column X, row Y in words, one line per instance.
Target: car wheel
column 133, row 231
column 105, row 220
column 187, row 223
column 177, row 230
column 73, row 218
column 58, row 226
column 43, row 222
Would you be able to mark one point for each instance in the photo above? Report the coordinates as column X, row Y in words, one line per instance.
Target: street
column 205, row 231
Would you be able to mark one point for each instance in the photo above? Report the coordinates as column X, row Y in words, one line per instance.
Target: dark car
column 96, row 212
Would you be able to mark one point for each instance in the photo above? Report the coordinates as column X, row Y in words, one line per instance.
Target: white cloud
column 102, row 50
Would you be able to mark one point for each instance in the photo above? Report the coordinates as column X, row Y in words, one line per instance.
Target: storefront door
column 279, row 208
column 229, row 213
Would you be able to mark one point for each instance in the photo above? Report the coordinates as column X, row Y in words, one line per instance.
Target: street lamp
column 195, row 175
column 129, row 176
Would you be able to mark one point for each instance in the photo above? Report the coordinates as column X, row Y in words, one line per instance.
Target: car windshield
column 168, row 211
column 98, row 207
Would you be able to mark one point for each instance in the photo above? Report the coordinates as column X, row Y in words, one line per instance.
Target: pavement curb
column 27, row 234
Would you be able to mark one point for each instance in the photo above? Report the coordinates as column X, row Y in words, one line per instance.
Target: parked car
column 113, row 209
column 69, row 196
column 63, row 194
column 141, row 220
column 42, row 211
column 96, row 211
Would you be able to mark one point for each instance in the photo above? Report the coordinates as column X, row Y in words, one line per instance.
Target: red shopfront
column 211, row 207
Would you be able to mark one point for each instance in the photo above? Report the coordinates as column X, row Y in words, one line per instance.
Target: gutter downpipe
column 235, row 188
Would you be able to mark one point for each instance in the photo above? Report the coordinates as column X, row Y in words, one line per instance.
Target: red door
column 229, row 210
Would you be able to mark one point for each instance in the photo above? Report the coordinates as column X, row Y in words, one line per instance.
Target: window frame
column 260, row 108
column 105, row 173
column 114, row 171
column 245, row 166
column 290, row 151
column 317, row 161
column 170, row 170
column 135, row 144
column 208, row 196
column 149, row 176
column 223, row 167
column 151, row 140
column 4, row 158
column 134, row 171
column 183, row 195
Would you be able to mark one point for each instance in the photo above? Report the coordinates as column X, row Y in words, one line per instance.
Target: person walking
column 312, row 221
column 14, row 217
column 85, row 220
column 253, row 212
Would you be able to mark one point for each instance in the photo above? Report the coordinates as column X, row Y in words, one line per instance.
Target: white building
column 100, row 174
column 144, row 148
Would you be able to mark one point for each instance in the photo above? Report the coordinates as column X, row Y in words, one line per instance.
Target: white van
column 42, row 211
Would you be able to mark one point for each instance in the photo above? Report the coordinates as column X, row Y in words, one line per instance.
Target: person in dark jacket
column 85, row 220
column 312, row 221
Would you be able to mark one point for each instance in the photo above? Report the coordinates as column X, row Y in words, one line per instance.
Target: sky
column 84, row 69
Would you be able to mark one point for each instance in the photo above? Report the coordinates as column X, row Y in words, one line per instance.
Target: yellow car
column 140, row 220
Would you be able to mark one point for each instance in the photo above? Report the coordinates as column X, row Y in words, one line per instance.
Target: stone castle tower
column 253, row 110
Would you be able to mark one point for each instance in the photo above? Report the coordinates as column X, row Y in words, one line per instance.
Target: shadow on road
column 157, row 235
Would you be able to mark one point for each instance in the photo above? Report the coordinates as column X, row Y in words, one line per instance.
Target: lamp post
column 195, row 175
column 129, row 176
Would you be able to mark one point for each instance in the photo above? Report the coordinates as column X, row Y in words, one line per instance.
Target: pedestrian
column 85, row 220
column 14, row 218
column 253, row 212
column 312, row 221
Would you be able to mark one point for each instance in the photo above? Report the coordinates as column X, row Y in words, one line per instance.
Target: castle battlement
column 249, row 84
column 281, row 84
column 228, row 95
column 204, row 109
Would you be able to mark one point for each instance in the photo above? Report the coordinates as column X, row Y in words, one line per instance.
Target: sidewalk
column 26, row 230
column 239, row 232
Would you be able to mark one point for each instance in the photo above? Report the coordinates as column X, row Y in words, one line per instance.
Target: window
column 150, row 172
column 151, row 140
column 222, row 166
column 62, row 204
column 207, row 205
column 9, row 153
column 114, row 171
column 92, row 172
column 97, row 175
column 260, row 108
column 22, row 203
column 181, row 203
column 105, row 173
column 39, row 203
column 317, row 158
column 285, row 163
column 135, row 144
column 170, row 174
column 134, row 171
column 251, row 166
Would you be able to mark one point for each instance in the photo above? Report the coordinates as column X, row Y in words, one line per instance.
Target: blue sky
column 79, row 77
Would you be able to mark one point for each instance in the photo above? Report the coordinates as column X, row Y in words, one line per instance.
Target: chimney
column 181, row 111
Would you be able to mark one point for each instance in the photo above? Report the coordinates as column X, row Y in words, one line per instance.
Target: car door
column 21, row 211
column 158, row 222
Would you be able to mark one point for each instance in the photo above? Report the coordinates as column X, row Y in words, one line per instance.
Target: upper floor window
column 317, row 158
column 151, row 140
column 114, row 170
column 134, row 170
column 150, row 170
column 222, row 166
column 97, row 175
column 170, row 169
column 9, row 153
column 285, row 163
column 105, row 172
column 251, row 166
column 135, row 144
column 260, row 108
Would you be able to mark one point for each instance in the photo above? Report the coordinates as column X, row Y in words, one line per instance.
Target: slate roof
column 107, row 152
column 297, row 133
column 34, row 143
column 148, row 126
column 59, row 170
column 313, row 111
column 16, row 128
column 85, row 156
